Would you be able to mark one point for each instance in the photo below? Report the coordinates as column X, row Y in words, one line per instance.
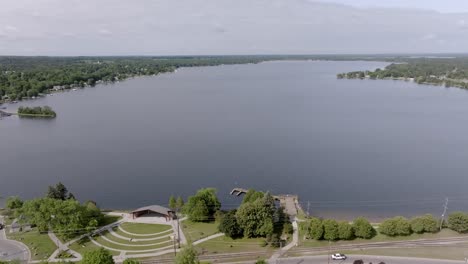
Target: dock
column 290, row 202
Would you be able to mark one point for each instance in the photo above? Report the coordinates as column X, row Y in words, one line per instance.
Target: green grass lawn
column 85, row 245
column 379, row 238
column 106, row 243
column 40, row 245
column 228, row 245
column 109, row 219
column 134, row 240
column 118, row 231
column 144, row 229
column 196, row 230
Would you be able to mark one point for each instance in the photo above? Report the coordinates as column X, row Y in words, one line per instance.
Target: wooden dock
column 290, row 202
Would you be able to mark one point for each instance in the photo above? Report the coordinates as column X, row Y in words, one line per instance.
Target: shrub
column 315, row 228
column 229, row 225
column 330, row 228
column 363, row 229
column 397, row 226
column 458, row 221
column 345, row 231
column 424, row 224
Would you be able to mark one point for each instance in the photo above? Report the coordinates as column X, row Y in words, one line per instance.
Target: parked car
column 338, row 256
column 1, row 226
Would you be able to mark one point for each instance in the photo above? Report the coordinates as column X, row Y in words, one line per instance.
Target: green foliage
column 345, row 231
column 179, row 203
column 38, row 111
column 424, row 224
column 172, row 203
column 101, row 256
column 59, row 191
column 188, row 255
column 397, row 226
column 131, row 261
column 256, row 218
column 65, row 217
column 330, row 228
column 252, row 195
column 363, row 229
column 229, row 225
column 261, row 261
column 458, row 221
column 14, row 202
column 202, row 206
column 316, row 229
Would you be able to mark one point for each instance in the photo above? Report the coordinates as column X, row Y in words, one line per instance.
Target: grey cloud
column 166, row 27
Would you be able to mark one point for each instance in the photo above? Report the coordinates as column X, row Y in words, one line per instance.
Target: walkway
column 274, row 258
column 11, row 249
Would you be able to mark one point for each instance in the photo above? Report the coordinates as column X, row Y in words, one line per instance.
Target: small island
column 36, row 112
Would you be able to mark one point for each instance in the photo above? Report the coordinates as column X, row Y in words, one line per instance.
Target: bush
column 315, row 229
column 397, row 226
column 363, row 229
column 131, row 261
column 14, row 202
column 101, row 256
column 229, row 225
column 345, row 231
column 458, row 221
column 424, row 224
column 330, row 228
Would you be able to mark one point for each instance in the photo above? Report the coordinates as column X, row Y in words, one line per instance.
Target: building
column 153, row 211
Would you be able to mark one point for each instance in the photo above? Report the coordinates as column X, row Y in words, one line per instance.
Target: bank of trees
column 38, row 111
column 58, row 211
column 330, row 229
column 202, row 206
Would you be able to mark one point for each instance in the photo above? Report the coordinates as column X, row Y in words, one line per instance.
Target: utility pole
column 443, row 214
column 308, row 206
column 329, row 251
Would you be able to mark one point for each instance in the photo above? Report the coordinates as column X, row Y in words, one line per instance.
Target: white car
column 338, row 256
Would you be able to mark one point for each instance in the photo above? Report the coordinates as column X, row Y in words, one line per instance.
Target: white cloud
column 10, row 28
column 430, row 36
column 104, row 31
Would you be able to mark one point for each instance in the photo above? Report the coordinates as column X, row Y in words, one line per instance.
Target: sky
column 211, row 27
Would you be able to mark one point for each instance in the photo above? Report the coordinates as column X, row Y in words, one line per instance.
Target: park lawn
column 106, row 243
column 225, row 244
column 166, row 233
column 379, row 238
column 85, row 245
column 109, row 219
column 144, row 229
column 40, row 245
column 453, row 252
column 197, row 230
column 134, row 240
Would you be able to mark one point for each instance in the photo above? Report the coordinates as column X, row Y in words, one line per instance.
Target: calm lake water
column 350, row 147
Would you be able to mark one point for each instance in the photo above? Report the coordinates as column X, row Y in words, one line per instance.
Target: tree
column 252, row 195
column 458, row 221
column 101, row 256
column 363, row 229
column 131, row 261
column 330, row 228
column 14, row 202
column 179, row 203
column 316, row 229
column 397, row 226
column 229, row 225
column 257, row 218
column 345, row 231
column 187, row 255
column 202, row 206
column 172, row 203
column 422, row 224
column 59, row 191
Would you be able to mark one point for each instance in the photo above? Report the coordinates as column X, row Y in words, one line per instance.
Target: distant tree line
column 37, row 111
column 450, row 72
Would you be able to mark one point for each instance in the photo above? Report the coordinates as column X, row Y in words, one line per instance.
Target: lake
column 346, row 147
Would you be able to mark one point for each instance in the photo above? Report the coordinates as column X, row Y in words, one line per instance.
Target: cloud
column 430, row 36
column 104, row 31
column 11, row 29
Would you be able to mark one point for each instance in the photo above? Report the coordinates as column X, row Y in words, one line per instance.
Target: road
column 11, row 250
column 366, row 259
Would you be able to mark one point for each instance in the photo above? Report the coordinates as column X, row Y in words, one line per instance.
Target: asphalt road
column 12, row 250
column 366, row 259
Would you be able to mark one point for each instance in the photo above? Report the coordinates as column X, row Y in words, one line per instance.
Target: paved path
column 143, row 235
column 62, row 247
column 11, row 249
column 112, row 232
column 207, row 238
column 366, row 259
column 295, row 240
